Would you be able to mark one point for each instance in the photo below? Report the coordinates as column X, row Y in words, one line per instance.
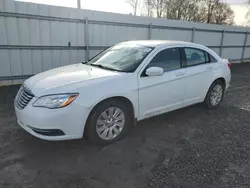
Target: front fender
column 123, row 87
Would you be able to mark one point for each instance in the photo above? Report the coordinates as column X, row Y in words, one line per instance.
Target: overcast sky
column 120, row 6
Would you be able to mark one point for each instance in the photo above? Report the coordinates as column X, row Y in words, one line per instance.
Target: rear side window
column 212, row 59
column 207, row 57
column 195, row 56
column 168, row 59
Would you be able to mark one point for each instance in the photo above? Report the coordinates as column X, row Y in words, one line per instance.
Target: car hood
column 63, row 76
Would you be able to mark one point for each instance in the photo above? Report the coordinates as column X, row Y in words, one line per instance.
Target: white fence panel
column 26, row 62
column 80, row 56
column 15, row 63
column 35, row 38
column 5, row 63
column 208, row 38
column 12, row 32
column 3, row 40
column 163, row 34
column 234, row 39
column 36, row 56
column 232, row 52
column 23, row 31
column 34, row 32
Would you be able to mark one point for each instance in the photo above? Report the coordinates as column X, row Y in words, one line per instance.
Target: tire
column 97, row 115
column 209, row 101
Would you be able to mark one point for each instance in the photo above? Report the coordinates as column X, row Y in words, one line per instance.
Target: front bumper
column 53, row 124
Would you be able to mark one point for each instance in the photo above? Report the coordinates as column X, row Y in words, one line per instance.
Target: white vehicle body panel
column 160, row 94
column 153, row 99
column 149, row 96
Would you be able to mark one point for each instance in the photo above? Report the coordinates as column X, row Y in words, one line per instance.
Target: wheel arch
column 123, row 99
column 223, row 80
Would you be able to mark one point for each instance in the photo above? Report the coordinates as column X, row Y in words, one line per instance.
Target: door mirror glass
column 154, row 71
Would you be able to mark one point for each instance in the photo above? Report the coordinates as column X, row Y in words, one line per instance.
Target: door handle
column 209, row 67
column 180, row 74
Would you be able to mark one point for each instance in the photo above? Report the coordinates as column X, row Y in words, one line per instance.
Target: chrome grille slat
column 26, row 93
column 23, row 98
column 24, row 101
column 21, row 103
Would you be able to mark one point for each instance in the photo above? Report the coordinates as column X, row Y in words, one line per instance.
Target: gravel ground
column 189, row 148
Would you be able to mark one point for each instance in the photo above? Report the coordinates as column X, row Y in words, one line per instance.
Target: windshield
column 121, row 57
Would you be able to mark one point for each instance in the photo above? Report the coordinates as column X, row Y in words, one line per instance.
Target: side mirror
column 154, row 71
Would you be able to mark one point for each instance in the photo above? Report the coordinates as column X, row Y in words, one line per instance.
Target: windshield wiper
column 104, row 67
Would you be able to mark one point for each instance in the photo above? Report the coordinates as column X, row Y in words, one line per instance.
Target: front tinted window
column 121, row 57
column 194, row 56
column 168, row 59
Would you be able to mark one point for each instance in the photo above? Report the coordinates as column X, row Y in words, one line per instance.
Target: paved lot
column 192, row 148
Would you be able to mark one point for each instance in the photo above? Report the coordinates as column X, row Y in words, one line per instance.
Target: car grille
column 23, row 98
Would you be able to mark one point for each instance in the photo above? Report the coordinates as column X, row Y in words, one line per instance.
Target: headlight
column 55, row 101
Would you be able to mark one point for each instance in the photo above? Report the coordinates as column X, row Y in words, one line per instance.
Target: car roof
column 154, row 43
column 169, row 43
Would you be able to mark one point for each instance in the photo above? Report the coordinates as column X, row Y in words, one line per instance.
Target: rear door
column 199, row 74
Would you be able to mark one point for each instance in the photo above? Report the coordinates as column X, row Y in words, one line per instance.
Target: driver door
column 160, row 94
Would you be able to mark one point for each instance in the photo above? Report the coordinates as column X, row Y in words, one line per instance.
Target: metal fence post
column 244, row 47
column 150, row 31
column 86, row 38
column 222, row 41
column 193, row 34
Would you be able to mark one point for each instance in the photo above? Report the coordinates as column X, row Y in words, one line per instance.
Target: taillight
column 229, row 64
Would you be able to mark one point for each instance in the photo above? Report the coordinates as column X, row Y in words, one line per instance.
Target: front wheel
column 109, row 122
column 215, row 94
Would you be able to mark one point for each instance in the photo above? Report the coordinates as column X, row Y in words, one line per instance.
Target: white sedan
column 102, row 98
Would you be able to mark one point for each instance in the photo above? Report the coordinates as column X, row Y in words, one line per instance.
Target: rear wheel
column 109, row 122
column 215, row 94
